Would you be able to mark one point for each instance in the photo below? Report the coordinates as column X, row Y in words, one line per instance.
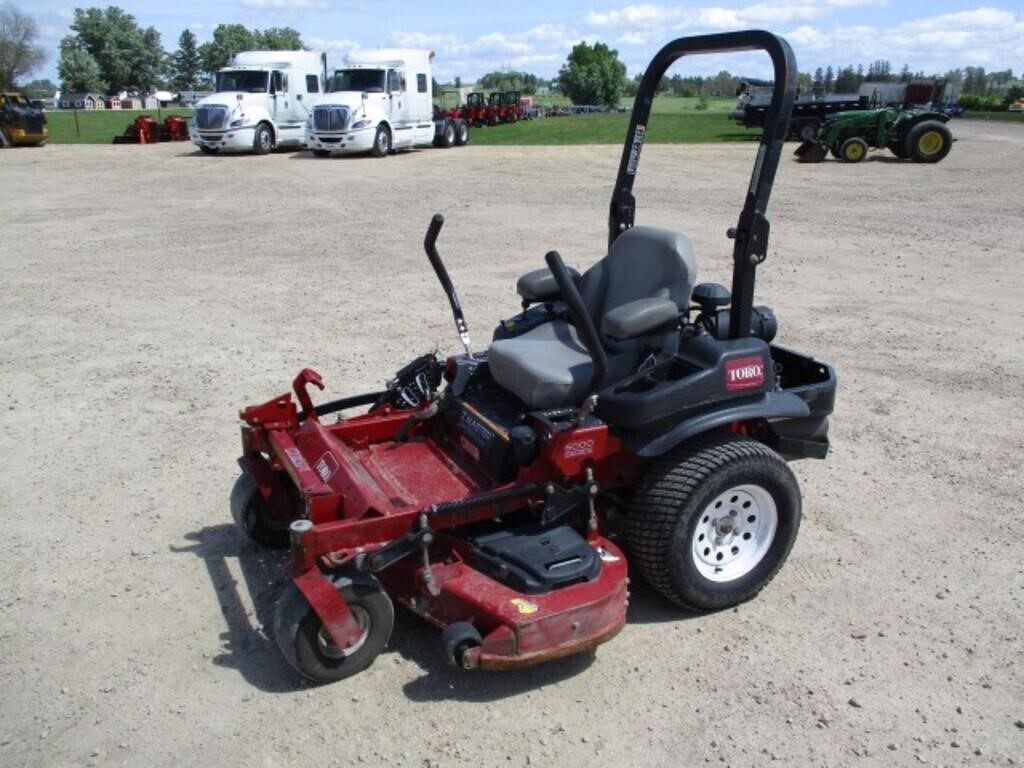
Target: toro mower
column 623, row 412
column 919, row 135
column 145, row 129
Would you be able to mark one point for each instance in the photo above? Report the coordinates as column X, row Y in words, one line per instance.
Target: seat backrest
column 643, row 262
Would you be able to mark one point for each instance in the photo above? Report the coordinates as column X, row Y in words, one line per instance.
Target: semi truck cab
column 380, row 101
column 261, row 102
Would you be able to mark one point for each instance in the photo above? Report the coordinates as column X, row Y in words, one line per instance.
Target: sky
column 473, row 38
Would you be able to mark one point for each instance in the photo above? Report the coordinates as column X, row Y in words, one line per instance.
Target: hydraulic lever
column 430, row 246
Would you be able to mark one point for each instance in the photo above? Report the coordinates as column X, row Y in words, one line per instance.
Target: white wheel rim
column 265, row 139
column 734, row 533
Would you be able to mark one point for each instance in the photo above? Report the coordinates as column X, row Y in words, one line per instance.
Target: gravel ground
column 149, row 292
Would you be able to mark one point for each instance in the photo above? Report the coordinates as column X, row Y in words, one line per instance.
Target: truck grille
column 211, row 118
column 330, row 118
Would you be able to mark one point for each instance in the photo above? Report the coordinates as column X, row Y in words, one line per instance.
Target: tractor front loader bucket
column 810, row 152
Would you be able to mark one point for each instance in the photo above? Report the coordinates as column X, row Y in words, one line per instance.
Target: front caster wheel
column 711, row 524
column 308, row 647
column 252, row 515
column 457, row 639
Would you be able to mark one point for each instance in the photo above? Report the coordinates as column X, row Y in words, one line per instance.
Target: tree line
column 109, row 51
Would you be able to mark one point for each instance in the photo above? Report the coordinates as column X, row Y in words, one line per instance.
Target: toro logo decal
column 326, row 467
column 579, row 448
column 744, row 373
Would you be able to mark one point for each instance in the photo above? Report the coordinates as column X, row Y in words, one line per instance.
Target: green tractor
column 915, row 134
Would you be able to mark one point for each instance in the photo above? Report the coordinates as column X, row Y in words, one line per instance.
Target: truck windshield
column 245, row 80
column 371, row 80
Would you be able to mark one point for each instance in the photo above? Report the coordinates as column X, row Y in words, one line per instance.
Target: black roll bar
column 751, row 232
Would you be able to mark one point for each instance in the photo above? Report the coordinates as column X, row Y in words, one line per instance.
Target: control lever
column 430, row 246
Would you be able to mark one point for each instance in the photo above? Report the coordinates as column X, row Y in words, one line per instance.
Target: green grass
column 99, row 127
column 693, row 128
column 1002, row 117
column 669, row 105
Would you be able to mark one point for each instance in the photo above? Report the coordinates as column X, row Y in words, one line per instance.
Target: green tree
column 593, row 75
column 129, row 57
column 228, row 39
column 40, row 89
column 78, row 70
column 19, row 52
column 509, row 81
column 830, row 79
column 278, row 39
column 186, row 64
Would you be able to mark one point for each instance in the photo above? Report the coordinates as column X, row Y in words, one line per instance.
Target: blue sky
column 472, row 38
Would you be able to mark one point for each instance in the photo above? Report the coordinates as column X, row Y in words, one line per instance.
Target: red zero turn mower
column 494, row 493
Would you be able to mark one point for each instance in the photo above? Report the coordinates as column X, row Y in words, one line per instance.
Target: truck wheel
column 321, row 153
column 381, row 142
column 929, row 142
column 252, row 515
column 853, row 150
column 461, row 133
column 308, row 647
column 447, row 137
column 263, row 139
column 712, row 523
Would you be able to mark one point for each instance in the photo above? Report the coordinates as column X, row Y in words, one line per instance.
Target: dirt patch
column 149, row 292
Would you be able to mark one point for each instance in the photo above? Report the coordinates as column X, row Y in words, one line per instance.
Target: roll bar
column 751, row 232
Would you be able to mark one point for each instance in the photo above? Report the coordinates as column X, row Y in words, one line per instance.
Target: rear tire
column 447, row 137
column 712, row 523
column 308, row 648
column 929, row 142
column 898, row 149
column 252, row 515
column 461, row 133
column 263, row 139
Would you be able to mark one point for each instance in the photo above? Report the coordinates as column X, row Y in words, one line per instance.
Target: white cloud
column 285, row 5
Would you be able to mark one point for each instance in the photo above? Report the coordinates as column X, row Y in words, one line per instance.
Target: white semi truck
column 261, row 102
column 381, row 101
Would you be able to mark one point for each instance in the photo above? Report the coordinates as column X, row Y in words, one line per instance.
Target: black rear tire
column 252, row 515
column 928, row 142
column 308, row 648
column 708, row 484
column 461, row 133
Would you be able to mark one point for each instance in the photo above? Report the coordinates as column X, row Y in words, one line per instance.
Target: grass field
column 698, row 126
column 98, row 127
column 693, row 128
column 1002, row 117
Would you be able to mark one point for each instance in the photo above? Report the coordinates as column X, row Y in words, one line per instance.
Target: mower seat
column 549, row 367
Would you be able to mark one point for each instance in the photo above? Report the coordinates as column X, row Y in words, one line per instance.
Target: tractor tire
column 711, row 524
column 381, row 142
column 853, row 150
column 252, row 515
column 207, row 150
column 308, row 647
column 461, row 133
column 928, row 142
column 263, row 139
column 897, row 148
column 321, row 153
column 834, row 151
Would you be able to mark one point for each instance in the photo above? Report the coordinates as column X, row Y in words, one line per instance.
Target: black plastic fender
column 770, row 405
